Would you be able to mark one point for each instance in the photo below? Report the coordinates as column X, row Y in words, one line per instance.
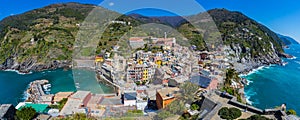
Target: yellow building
column 158, row 63
column 99, row 58
column 140, row 61
column 145, row 74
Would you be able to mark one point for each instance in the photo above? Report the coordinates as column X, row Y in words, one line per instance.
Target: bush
column 291, row 112
column 257, row 117
column 235, row 113
column 26, row 113
column 164, row 114
column 60, row 104
column 229, row 113
column 223, row 112
column 194, row 107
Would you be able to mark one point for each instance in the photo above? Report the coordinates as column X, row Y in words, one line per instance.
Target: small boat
column 47, row 87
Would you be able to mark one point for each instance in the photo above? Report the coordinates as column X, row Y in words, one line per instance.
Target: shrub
column 257, row 117
column 26, row 113
column 229, row 113
column 291, row 112
column 194, row 107
column 224, row 112
column 235, row 113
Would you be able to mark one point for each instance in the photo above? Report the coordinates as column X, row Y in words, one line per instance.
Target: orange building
column 165, row 96
column 99, row 58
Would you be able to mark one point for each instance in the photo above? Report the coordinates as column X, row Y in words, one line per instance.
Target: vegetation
column 257, row 117
column 134, row 113
column 194, row 107
column 164, row 114
column 195, row 38
column 187, row 116
column 177, row 107
column 188, row 91
column 234, row 23
column 229, row 113
column 60, row 105
column 78, row 116
column 232, row 75
column 26, row 113
column 291, row 112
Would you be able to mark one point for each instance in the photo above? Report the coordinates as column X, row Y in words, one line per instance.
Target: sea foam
column 18, row 72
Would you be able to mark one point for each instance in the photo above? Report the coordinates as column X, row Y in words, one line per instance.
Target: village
column 146, row 83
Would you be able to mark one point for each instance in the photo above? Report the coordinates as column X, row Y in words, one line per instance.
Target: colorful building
column 165, row 96
column 99, row 58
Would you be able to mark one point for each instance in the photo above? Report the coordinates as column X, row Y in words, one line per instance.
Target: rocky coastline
column 31, row 65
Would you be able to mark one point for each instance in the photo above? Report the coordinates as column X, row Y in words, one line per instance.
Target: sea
column 273, row 85
column 13, row 85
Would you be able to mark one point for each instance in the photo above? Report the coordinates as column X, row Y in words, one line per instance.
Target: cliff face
column 249, row 44
column 43, row 38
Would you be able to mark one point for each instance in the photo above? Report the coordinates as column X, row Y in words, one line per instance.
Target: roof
column 172, row 83
column 80, row 95
column 135, row 39
column 40, row 108
column 130, row 96
column 60, row 95
column 72, row 106
column 201, row 81
column 4, row 108
column 95, row 99
column 207, row 104
column 167, row 93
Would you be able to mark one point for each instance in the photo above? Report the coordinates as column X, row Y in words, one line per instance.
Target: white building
column 129, row 98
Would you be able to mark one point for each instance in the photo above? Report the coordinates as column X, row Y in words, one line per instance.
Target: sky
column 282, row 16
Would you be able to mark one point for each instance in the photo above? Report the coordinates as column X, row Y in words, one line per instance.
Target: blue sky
column 282, row 16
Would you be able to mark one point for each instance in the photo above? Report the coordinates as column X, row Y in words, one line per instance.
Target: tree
column 26, row 113
column 164, row 114
column 257, row 117
column 235, row 113
column 188, row 91
column 195, row 107
column 291, row 112
column 229, row 113
column 176, row 107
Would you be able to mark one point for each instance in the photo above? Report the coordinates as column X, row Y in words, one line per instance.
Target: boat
column 47, row 87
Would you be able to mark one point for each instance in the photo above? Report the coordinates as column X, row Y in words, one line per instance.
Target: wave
column 248, row 94
column 25, row 94
column 292, row 58
column 18, row 72
column 298, row 62
column 248, row 100
column 255, row 70
column 249, row 81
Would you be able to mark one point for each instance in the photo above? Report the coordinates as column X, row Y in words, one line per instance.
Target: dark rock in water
column 31, row 65
column 285, row 55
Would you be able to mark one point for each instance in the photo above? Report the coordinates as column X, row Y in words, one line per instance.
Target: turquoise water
column 13, row 85
column 271, row 86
